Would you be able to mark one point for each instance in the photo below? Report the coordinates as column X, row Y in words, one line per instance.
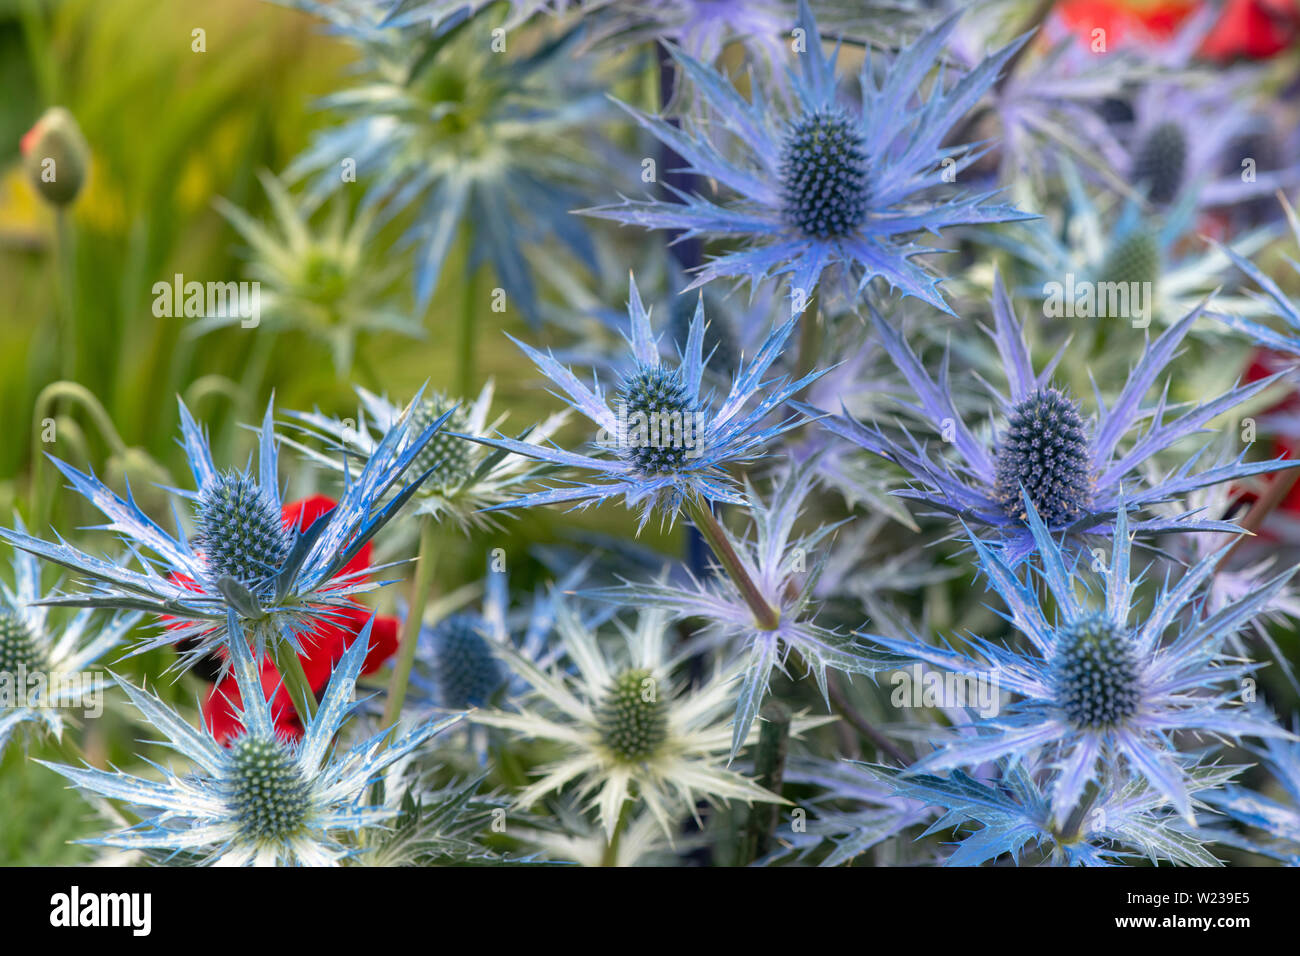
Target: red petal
column 301, row 514
column 224, row 699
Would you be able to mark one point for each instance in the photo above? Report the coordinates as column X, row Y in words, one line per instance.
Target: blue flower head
column 1094, row 242
column 263, row 800
column 1097, row 687
column 458, row 660
column 31, row 644
column 280, row 582
column 1070, row 464
column 821, row 182
column 456, row 138
column 666, row 440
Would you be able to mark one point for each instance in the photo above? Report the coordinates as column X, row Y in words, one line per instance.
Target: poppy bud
column 56, row 156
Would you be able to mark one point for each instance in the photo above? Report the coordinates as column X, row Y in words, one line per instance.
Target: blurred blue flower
column 784, row 570
column 457, row 132
column 823, row 183
column 54, row 657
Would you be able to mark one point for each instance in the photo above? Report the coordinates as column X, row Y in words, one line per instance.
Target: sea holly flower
column 780, row 573
column 458, row 664
column 324, row 279
column 281, row 583
column 321, row 652
column 43, row 666
column 263, row 800
column 630, row 729
column 1071, row 465
column 1101, row 687
column 464, row 478
column 820, row 182
column 1125, row 265
column 1048, row 106
column 1126, row 819
column 450, row 130
column 666, row 441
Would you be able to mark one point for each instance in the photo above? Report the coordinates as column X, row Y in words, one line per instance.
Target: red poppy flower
column 322, row 647
column 1253, row 29
column 1122, row 21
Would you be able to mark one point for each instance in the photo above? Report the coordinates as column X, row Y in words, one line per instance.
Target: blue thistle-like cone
column 467, row 672
column 824, row 180
column 1096, row 673
column 1044, row 449
column 1160, row 161
column 267, row 789
column 633, row 720
column 449, row 456
column 19, row 647
column 240, row 531
column 1135, row 258
column 658, row 411
column 1116, row 111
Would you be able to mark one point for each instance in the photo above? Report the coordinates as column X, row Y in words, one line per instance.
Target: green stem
column 289, row 664
column 769, row 772
column 65, row 252
column 410, row 637
column 45, row 402
column 466, row 374
column 610, row 856
column 810, row 336
column 765, row 616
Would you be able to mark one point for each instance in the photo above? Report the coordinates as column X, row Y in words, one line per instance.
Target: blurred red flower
column 1254, row 29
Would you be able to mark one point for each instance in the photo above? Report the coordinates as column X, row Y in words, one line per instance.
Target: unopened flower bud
column 56, row 156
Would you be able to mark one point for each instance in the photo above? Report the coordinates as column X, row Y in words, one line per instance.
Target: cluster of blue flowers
column 878, row 427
